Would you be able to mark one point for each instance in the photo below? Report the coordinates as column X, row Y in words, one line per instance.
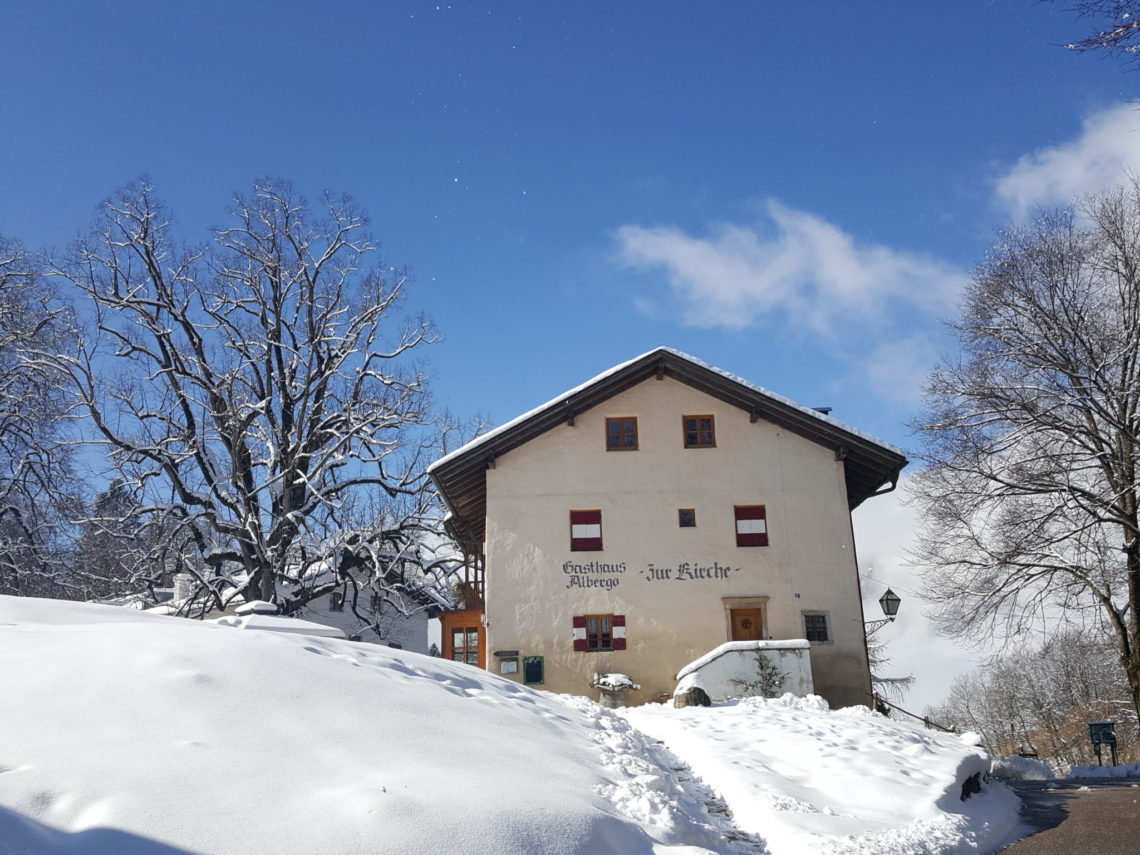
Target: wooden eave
column 462, row 478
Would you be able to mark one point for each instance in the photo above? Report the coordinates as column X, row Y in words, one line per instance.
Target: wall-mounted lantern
column 889, row 603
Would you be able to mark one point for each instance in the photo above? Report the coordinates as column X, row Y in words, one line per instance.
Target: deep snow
column 125, row 733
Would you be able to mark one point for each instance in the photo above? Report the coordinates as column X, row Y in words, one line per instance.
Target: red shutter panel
column 619, row 632
column 749, row 532
column 582, row 541
column 579, row 633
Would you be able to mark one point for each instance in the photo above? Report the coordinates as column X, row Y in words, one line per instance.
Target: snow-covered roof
column 558, row 400
column 274, row 623
column 460, row 475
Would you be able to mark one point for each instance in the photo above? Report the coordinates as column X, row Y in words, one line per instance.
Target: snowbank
column 1125, row 770
column 1021, row 769
column 807, row 779
column 125, row 732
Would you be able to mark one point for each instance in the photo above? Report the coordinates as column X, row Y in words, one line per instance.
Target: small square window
column 815, row 627
column 687, row 517
column 336, row 601
column 585, row 531
column 621, row 434
column 751, row 525
column 700, row 431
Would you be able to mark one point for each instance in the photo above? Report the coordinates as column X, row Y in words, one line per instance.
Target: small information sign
column 1103, row 733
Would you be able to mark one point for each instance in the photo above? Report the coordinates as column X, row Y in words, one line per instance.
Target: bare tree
column 1039, row 700
column 1116, row 26
column 256, row 393
column 36, row 486
column 1032, row 437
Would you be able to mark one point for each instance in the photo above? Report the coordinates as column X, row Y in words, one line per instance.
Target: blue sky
column 792, row 192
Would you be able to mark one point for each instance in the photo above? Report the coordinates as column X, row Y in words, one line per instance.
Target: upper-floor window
column 621, row 434
column 686, row 517
column 751, row 525
column 700, row 431
column 585, row 531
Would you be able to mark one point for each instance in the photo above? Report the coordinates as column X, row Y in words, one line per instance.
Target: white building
column 640, row 520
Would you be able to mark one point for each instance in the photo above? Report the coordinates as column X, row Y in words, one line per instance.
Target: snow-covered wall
column 745, row 668
column 392, row 627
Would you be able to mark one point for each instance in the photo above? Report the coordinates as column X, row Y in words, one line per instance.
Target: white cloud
column 897, row 369
column 795, row 267
column 1107, row 148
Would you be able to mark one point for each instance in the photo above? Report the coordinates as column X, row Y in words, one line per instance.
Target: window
column 336, row 601
column 699, row 431
column 599, row 632
column 465, row 644
column 585, row 531
column 815, row 626
column 686, row 517
column 376, row 602
column 621, row 434
column 751, row 525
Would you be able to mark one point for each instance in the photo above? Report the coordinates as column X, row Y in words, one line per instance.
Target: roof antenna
column 825, row 410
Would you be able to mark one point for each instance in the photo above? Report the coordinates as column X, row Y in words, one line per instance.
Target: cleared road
column 1092, row 817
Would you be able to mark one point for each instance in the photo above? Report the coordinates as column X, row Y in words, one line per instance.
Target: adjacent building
column 658, row 510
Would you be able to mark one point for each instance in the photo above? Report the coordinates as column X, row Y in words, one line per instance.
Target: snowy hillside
column 149, row 735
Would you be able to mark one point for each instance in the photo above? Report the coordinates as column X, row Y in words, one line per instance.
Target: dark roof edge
column 870, row 458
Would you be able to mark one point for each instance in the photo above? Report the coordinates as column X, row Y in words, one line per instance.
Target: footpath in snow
column 125, row 733
column 807, row 779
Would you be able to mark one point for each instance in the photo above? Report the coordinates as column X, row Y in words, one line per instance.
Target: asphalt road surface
column 1073, row 817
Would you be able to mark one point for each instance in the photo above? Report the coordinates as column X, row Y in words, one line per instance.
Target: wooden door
column 747, row 624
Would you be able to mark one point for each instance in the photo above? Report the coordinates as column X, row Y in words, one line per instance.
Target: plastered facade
column 672, row 584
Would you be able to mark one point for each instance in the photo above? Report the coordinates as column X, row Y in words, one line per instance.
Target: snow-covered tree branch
column 1032, row 436
column 36, row 486
column 258, row 394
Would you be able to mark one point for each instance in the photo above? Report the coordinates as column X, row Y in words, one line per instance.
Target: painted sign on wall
column 607, row 576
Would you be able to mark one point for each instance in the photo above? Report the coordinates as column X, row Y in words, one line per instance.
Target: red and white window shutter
column 612, row 640
column 580, row 634
column 751, row 525
column 585, row 531
column 619, row 632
